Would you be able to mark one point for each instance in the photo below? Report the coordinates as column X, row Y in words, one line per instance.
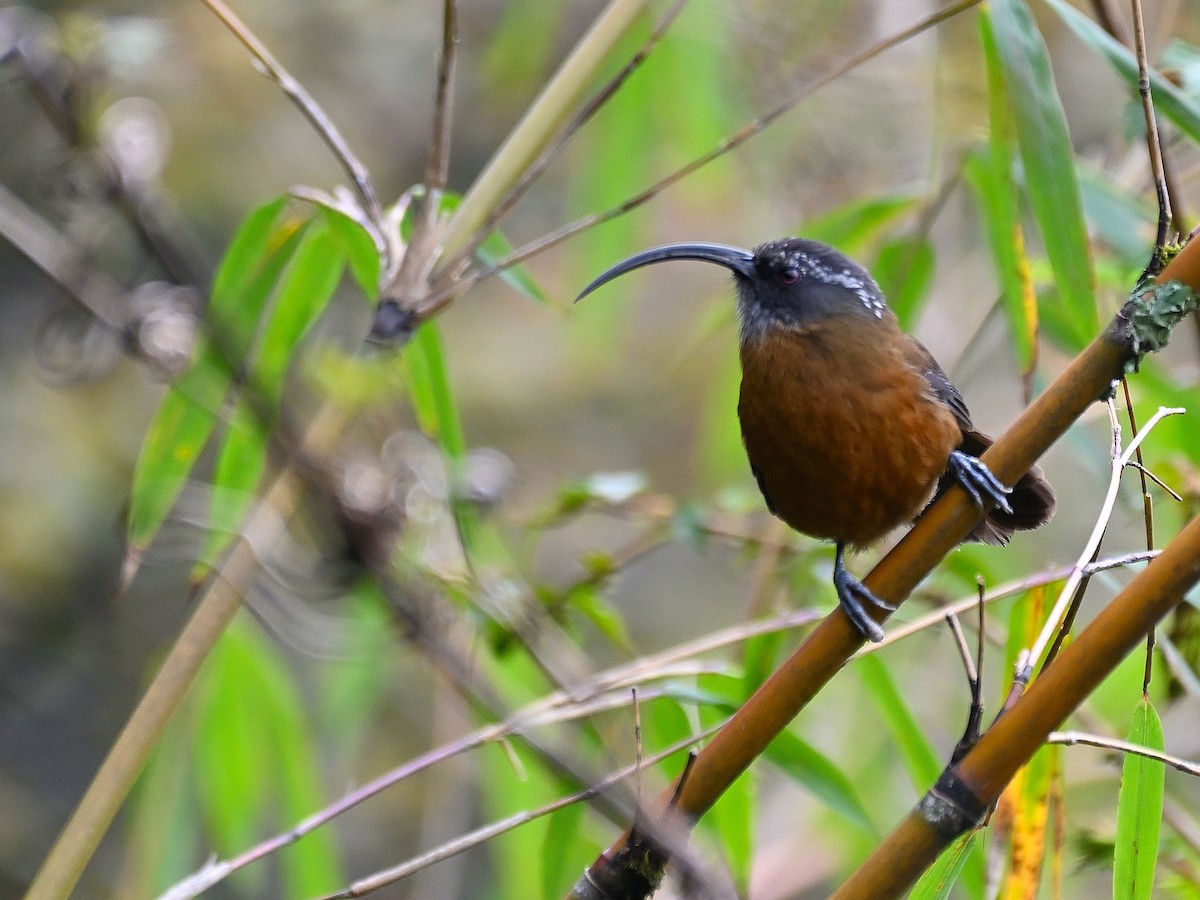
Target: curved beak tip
column 736, row 259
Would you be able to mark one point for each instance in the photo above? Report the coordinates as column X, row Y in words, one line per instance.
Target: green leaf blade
column 305, row 289
column 1048, row 158
column 177, row 435
column 1139, row 810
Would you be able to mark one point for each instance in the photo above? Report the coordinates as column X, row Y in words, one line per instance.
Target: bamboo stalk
column 1006, row 746
column 827, row 648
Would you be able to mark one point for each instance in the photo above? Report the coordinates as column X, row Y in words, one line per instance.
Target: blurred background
column 630, row 393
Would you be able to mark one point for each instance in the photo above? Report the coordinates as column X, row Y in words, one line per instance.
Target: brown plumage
column 850, row 425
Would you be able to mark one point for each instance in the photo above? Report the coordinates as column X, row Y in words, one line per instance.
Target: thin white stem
column 1079, row 570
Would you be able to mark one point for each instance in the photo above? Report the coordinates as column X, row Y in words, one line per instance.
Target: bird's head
column 790, row 282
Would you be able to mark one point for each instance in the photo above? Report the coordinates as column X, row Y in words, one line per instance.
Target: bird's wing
column 922, row 360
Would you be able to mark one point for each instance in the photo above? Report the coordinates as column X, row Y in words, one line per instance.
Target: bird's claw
column 852, row 594
column 978, row 480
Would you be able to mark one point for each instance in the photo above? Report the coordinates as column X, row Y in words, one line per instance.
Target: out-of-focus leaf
column 429, row 388
column 1169, row 100
column 305, row 286
column 1122, row 221
column 1139, row 810
column 990, row 174
column 915, row 750
column 235, row 769
column 1048, row 160
column 360, row 251
column 853, row 226
column 496, row 246
column 240, row 464
column 665, row 722
column 904, row 271
column 518, row 54
column 567, row 850
column 254, row 757
column 187, row 415
column 177, row 434
column 589, row 603
column 518, row 856
column 809, row 767
column 759, row 655
column 305, row 289
column 939, row 879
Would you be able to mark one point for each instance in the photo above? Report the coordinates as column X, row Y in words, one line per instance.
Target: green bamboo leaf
column 915, row 750
column 244, row 256
column 567, row 851
column 254, row 758
column 162, row 826
column 188, row 413
column 853, row 226
column 496, row 246
column 815, row 771
column 174, row 440
column 303, row 269
column 939, row 879
column 429, row 388
column 305, row 289
column 904, row 269
column 437, row 414
column 588, row 601
column 1169, row 100
column 234, row 766
column 990, row 174
column 517, row 856
column 240, row 464
column 1139, row 810
column 359, row 250
column 1048, row 159
column 311, row 867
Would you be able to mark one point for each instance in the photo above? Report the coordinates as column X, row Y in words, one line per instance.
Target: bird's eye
column 790, row 275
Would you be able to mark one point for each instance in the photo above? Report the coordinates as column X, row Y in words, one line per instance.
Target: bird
column 850, row 425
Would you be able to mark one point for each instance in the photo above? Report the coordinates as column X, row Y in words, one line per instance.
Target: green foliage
column 254, row 756
column 1139, row 809
column 939, row 879
column 1049, row 161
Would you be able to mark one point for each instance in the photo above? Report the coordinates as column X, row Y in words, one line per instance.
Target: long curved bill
column 735, row 258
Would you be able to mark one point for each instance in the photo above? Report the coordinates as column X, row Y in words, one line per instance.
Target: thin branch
column 492, row 830
column 1120, row 460
column 64, row 262
column 447, row 289
column 552, row 150
column 541, row 122
column 412, row 269
column 312, row 111
column 1016, row 587
column 1072, row 738
column 438, row 167
column 1152, row 143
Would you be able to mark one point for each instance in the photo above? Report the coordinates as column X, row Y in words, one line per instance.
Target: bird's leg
column 977, row 479
column 852, row 594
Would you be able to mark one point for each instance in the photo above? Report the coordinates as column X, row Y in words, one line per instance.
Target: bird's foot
column 978, row 480
column 852, row 595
